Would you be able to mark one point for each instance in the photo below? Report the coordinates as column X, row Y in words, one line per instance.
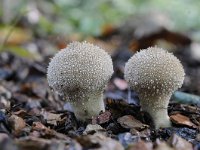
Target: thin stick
column 16, row 20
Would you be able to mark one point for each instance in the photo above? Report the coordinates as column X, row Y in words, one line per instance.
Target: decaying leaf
column 21, row 113
column 130, row 122
column 99, row 142
column 34, row 143
column 102, row 118
column 179, row 143
column 182, row 120
column 144, row 134
column 47, row 132
column 141, row 145
column 91, row 129
column 17, row 35
column 160, row 145
column 17, row 123
column 5, row 95
column 51, row 118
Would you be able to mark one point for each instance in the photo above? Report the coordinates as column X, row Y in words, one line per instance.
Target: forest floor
column 35, row 118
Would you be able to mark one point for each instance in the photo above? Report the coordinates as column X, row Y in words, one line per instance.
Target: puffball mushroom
column 80, row 73
column 154, row 74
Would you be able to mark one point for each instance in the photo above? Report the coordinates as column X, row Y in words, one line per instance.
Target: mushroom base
column 160, row 118
column 88, row 106
column 157, row 108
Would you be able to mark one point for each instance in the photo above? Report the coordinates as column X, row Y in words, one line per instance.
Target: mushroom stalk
column 156, row 107
column 154, row 74
column 88, row 106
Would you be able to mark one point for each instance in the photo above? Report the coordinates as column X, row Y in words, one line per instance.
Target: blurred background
column 59, row 21
column 31, row 32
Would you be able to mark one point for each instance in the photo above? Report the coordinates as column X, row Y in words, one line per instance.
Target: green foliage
column 184, row 13
column 19, row 51
column 88, row 16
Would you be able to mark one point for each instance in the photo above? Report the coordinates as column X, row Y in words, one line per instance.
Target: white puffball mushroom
column 154, row 74
column 80, row 73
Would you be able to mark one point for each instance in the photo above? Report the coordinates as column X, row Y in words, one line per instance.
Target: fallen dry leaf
column 51, row 118
column 34, row 143
column 39, row 126
column 99, row 142
column 5, row 95
column 107, row 29
column 17, row 36
column 179, row 143
column 144, row 134
column 93, row 129
column 162, row 146
column 43, row 131
column 182, row 120
column 21, row 113
column 130, row 122
column 109, row 47
column 133, row 131
column 102, row 118
column 16, row 123
column 141, row 145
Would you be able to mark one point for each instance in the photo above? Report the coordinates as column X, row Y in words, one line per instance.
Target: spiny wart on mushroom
column 154, row 74
column 80, row 73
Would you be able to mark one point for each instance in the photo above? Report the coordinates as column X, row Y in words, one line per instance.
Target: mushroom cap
column 79, row 67
column 154, row 72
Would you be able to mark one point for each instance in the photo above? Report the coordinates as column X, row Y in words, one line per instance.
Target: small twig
column 185, row 98
column 16, row 20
